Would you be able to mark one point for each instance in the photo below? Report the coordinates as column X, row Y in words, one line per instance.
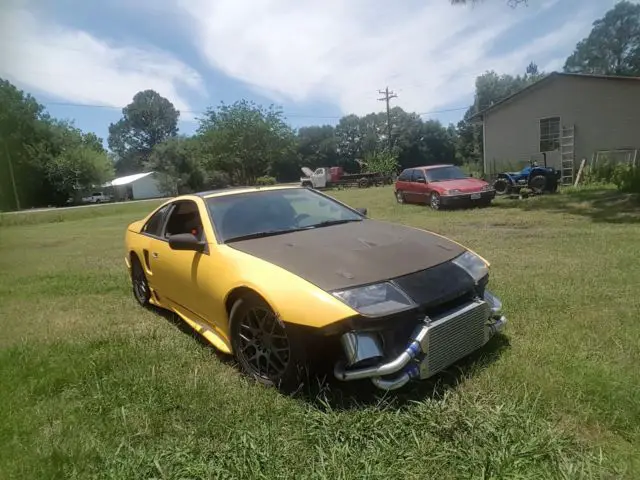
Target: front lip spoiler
column 403, row 366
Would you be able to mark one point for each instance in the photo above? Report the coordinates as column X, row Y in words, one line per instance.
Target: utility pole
column 388, row 95
column 13, row 178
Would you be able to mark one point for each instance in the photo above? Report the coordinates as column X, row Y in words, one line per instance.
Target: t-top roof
column 480, row 115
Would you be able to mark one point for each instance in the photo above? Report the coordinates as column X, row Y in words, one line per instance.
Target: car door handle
column 154, row 254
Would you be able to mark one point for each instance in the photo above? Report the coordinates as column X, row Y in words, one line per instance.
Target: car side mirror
column 362, row 211
column 186, row 241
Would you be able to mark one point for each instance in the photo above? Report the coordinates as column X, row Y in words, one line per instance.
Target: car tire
column 139, row 283
column 538, row 184
column 434, row 201
column 400, row 197
column 262, row 345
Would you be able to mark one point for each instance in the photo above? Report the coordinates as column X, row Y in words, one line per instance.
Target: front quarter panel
column 294, row 299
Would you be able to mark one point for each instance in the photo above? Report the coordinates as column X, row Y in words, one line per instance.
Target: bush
column 628, row 179
column 265, row 180
column 624, row 176
column 384, row 162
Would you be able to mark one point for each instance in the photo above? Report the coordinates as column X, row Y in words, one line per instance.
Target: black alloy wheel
column 139, row 283
column 262, row 346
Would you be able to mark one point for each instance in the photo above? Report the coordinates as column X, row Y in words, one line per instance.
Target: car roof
column 431, row 167
column 221, row 192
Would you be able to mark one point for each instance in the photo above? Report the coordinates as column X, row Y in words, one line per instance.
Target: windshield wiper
column 328, row 223
column 271, row 233
column 267, row 233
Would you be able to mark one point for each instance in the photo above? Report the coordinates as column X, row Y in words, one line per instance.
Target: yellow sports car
column 286, row 277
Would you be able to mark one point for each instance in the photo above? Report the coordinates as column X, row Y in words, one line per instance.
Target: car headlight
column 473, row 265
column 375, row 300
column 486, row 188
column 454, row 191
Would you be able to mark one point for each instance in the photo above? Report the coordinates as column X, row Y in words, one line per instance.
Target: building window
column 549, row 134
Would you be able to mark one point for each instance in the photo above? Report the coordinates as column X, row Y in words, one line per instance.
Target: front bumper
column 467, row 198
column 436, row 343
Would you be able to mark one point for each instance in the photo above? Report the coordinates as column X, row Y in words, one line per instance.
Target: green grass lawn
column 92, row 386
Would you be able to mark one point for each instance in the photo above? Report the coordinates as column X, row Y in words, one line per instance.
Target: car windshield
column 272, row 212
column 444, row 173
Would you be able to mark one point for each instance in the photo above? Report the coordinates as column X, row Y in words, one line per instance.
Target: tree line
column 47, row 161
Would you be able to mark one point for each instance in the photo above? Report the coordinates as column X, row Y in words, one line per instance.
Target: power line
column 293, row 115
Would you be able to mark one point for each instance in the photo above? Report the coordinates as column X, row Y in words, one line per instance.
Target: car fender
column 439, row 189
column 311, row 306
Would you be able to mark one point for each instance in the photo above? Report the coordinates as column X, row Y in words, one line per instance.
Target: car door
column 151, row 230
column 180, row 276
column 404, row 185
column 418, row 186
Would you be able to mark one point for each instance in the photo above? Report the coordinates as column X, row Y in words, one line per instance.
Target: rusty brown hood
column 352, row 254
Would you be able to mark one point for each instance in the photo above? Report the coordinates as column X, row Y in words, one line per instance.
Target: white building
column 136, row 187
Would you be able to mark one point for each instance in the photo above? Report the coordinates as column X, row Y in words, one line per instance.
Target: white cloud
column 344, row 51
column 76, row 67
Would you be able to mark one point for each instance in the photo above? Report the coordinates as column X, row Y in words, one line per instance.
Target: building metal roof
column 480, row 115
column 116, row 182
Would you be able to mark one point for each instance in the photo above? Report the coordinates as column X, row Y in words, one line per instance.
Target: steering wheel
column 300, row 217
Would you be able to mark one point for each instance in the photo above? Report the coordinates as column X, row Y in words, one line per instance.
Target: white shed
column 137, row 187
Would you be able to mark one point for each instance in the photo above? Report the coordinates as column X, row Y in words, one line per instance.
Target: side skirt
column 209, row 333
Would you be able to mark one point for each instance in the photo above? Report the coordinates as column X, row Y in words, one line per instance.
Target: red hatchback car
column 442, row 186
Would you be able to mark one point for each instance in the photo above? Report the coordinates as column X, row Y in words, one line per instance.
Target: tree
column 44, row 161
column 385, row 162
column 70, row 161
column 146, row 122
column 247, row 141
column 183, row 169
column 20, row 115
column 317, row 146
column 613, row 46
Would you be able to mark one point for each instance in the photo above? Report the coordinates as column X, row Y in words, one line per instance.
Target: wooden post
column 582, row 164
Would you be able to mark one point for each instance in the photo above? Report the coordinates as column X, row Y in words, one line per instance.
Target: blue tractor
column 538, row 179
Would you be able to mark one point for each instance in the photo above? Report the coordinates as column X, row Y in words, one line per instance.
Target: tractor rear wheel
column 501, row 186
column 538, row 184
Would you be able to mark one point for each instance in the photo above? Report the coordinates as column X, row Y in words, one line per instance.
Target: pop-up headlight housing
column 473, row 265
column 376, row 300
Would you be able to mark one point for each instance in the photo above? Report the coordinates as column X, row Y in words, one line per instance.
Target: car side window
column 405, row 176
column 185, row 218
column 417, row 175
column 154, row 226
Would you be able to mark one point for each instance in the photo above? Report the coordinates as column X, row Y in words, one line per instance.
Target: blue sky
column 317, row 59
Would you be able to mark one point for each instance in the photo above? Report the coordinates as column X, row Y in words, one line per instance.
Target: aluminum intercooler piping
column 389, row 368
column 399, row 371
column 396, row 382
